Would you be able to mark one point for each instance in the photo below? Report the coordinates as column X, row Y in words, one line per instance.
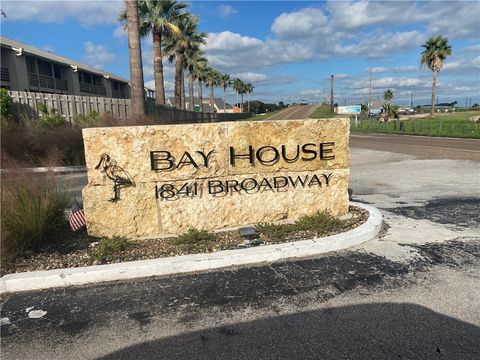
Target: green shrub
column 32, row 213
column 5, row 104
column 319, row 223
column 87, row 120
column 192, row 237
column 108, row 248
column 49, row 118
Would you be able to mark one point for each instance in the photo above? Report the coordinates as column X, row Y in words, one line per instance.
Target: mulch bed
column 78, row 249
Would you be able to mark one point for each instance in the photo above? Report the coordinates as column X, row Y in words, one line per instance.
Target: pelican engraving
column 115, row 173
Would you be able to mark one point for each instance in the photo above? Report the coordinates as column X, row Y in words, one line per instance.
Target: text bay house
column 25, row 68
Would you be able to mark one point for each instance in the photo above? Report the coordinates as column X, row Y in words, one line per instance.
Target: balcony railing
column 118, row 94
column 47, row 82
column 93, row 89
column 4, row 74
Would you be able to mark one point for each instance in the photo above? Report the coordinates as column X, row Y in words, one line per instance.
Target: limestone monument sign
column 146, row 181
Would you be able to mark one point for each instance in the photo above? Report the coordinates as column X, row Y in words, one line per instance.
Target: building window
column 44, row 68
column 57, row 72
column 97, row 80
column 31, row 64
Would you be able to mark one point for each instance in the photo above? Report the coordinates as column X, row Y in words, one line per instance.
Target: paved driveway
column 412, row 293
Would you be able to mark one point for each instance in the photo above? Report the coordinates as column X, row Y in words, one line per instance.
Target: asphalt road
column 412, row 293
column 423, row 147
column 294, row 112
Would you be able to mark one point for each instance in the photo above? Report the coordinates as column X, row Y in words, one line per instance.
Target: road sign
column 352, row 109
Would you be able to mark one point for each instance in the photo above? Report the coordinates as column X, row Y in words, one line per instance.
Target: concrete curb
column 37, row 280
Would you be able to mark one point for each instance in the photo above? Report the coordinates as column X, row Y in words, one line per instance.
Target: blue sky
column 287, row 49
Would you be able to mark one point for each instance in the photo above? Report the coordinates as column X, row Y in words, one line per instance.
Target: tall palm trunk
column 238, row 104
column 178, row 79
column 224, row 99
column 158, row 68
column 248, row 102
column 183, row 91
column 135, row 52
column 200, row 97
column 434, row 86
column 190, row 88
column 212, row 100
column 242, row 103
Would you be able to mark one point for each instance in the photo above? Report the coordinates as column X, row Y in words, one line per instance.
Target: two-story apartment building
column 26, row 68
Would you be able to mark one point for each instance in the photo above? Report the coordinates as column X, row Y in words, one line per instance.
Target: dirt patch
column 80, row 249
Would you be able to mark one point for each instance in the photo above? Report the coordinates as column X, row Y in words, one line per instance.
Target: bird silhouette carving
column 115, row 173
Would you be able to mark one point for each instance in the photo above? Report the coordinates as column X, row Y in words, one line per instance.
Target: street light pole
column 331, row 94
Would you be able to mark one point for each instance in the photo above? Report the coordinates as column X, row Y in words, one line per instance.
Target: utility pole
column 331, row 94
column 324, row 91
column 369, row 89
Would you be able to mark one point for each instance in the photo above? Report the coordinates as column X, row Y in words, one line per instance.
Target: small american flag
column 77, row 217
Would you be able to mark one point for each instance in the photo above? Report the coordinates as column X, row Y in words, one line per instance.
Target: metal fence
column 427, row 127
column 70, row 106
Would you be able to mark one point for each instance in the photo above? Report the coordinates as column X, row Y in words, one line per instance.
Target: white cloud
column 382, row 44
column 120, row 32
column 85, row 12
column 97, row 55
column 226, row 10
column 169, row 85
column 395, row 69
column 472, row 49
column 227, row 51
column 404, row 69
column 463, row 65
column 250, row 77
column 376, row 70
column 299, row 24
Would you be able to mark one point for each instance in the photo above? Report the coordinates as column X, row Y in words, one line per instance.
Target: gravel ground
column 79, row 249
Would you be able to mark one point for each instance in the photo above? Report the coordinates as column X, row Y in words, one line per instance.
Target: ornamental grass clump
column 33, row 212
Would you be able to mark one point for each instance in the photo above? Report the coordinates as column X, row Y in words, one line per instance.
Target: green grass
column 319, row 223
column 263, row 116
column 451, row 125
column 322, row 112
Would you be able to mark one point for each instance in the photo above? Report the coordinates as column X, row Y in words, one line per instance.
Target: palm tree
column 238, row 86
column 177, row 45
column 157, row 17
column 249, row 89
column 193, row 60
column 388, row 96
column 436, row 51
column 243, row 90
column 225, row 82
column 213, row 79
column 135, row 51
column 200, row 72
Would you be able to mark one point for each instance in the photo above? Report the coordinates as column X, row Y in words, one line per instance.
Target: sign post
column 350, row 110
